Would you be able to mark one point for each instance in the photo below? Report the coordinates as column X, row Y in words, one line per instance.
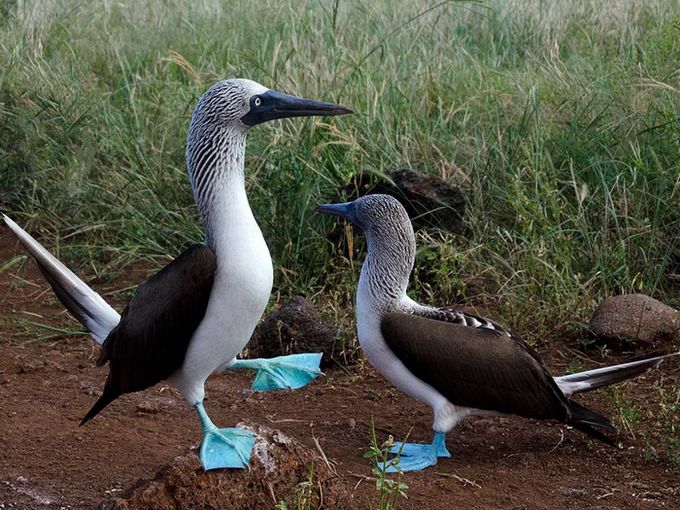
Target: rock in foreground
column 279, row 471
column 634, row 318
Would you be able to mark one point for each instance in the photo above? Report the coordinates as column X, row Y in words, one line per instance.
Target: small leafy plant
column 390, row 490
column 304, row 494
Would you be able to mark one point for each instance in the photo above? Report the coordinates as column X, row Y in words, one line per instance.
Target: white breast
column 241, row 289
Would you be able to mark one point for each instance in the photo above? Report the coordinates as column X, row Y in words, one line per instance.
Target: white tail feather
column 91, row 309
column 599, row 377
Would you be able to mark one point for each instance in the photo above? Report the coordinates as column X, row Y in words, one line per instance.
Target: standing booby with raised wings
column 458, row 363
column 195, row 315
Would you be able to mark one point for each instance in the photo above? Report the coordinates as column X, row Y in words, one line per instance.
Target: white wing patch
column 453, row 316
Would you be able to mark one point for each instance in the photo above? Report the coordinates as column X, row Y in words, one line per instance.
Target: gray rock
column 295, row 327
column 429, row 201
column 634, row 318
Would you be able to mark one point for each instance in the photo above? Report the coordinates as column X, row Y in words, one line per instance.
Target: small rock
column 148, row 407
column 295, row 327
column 634, row 318
column 429, row 200
column 88, row 389
column 574, row 491
column 277, row 466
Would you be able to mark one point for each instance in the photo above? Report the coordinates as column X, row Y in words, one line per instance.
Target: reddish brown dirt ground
column 48, row 461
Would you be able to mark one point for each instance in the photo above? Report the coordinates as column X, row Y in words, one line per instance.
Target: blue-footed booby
column 196, row 314
column 458, row 363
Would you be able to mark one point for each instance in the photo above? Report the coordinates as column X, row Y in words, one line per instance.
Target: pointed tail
column 84, row 303
column 108, row 396
column 590, row 422
column 593, row 379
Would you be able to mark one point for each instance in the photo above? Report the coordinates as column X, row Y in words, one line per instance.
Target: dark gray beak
column 345, row 210
column 275, row 105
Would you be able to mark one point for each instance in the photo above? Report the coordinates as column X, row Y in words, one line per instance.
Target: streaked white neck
column 230, row 227
column 227, row 217
column 384, row 277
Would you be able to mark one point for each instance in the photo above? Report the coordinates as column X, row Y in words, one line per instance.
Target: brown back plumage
column 483, row 368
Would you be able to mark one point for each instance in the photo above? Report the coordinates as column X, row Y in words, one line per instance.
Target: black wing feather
column 481, row 368
column 151, row 339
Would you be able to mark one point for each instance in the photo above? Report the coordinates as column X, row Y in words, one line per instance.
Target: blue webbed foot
column 415, row 456
column 223, row 448
column 408, row 463
column 411, row 449
column 226, row 448
column 283, row 372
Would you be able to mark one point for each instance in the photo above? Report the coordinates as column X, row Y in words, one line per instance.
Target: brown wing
column 151, row 339
column 475, row 366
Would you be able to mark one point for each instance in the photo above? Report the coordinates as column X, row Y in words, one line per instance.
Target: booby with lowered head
column 195, row 315
column 458, row 363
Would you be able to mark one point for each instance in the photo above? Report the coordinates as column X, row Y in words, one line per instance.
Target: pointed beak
column 345, row 210
column 276, row 105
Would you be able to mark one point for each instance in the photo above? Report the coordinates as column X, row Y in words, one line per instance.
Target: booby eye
column 257, row 101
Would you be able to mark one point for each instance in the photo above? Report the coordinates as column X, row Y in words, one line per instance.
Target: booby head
column 391, row 244
column 382, row 218
column 228, row 109
column 241, row 103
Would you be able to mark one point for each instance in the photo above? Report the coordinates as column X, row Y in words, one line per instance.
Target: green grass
column 663, row 438
column 656, row 419
column 559, row 121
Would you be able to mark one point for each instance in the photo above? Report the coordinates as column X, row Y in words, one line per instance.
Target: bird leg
column 414, row 456
column 283, row 372
column 223, row 448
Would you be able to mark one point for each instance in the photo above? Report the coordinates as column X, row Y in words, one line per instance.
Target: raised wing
column 151, row 339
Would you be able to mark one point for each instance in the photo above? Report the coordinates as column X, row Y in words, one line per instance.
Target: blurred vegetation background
column 558, row 120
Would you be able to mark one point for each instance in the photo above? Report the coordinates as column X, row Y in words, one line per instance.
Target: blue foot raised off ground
column 223, row 448
column 414, row 456
column 283, row 372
